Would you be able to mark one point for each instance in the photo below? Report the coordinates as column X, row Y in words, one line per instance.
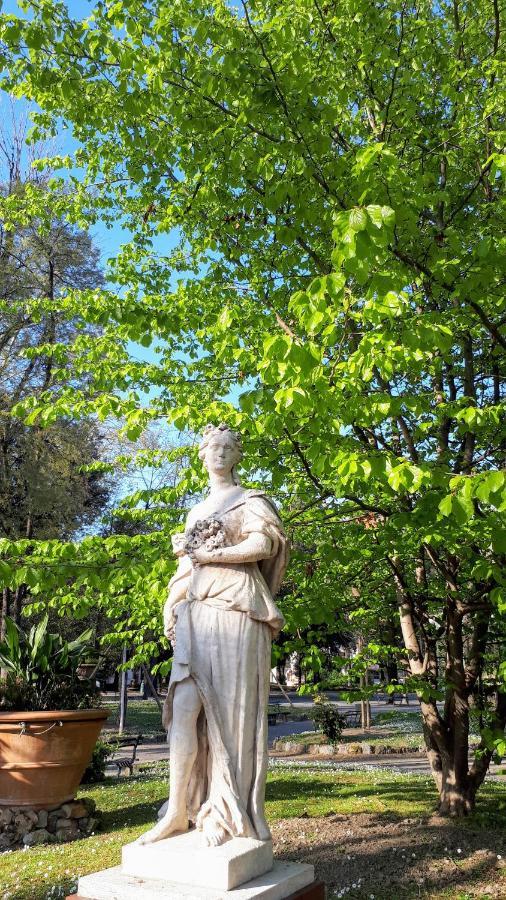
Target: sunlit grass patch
column 143, row 716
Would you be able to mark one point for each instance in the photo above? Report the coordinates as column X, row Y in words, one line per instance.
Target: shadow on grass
column 129, row 816
column 388, row 790
column 409, row 797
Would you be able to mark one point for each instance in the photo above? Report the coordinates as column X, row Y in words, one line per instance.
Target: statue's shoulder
column 260, row 499
column 255, row 492
column 252, row 494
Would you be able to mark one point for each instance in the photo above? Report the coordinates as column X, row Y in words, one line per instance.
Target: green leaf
column 5, row 573
column 314, row 321
column 499, row 540
column 445, row 506
column 358, row 219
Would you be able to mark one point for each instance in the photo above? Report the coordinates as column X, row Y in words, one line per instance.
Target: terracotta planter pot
column 43, row 754
column 85, row 670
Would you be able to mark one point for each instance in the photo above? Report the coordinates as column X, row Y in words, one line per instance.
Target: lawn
column 143, row 716
column 355, row 827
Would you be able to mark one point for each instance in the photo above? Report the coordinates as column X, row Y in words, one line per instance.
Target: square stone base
column 283, row 880
column 186, row 859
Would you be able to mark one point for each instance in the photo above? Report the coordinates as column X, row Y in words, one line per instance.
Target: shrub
column 328, row 720
column 95, row 771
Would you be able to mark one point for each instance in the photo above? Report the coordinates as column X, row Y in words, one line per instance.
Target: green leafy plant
column 41, row 669
column 95, row 770
column 328, row 720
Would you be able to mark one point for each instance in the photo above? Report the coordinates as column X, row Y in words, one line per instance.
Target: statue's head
column 221, row 449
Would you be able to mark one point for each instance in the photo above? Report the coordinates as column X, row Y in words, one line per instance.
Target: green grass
column 409, row 721
column 142, row 716
column 129, row 806
column 389, row 738
column 293, row 794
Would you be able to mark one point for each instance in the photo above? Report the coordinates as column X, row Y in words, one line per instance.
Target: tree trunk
column 5, row 611
column 447, row 743
column 392, row 675
column 17, row 605
column 152, row 690
column 391, row 667
column 446, row 735
column 365, row 706
column 456, row 797
column 123, row 694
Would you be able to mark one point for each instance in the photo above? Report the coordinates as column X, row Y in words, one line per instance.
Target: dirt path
column 377, row 856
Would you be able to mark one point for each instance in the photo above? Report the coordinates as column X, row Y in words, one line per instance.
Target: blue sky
column 107, row 240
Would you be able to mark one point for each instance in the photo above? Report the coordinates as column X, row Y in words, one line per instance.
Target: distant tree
column 43, row 491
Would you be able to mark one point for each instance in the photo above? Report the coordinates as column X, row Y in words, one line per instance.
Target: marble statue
column 221, row 613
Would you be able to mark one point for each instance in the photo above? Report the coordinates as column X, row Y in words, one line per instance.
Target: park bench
column 351, row 718
column 119, row 758
column 275, row 714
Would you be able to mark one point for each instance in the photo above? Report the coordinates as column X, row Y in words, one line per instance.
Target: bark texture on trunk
column 447, row 750
column 446, row 731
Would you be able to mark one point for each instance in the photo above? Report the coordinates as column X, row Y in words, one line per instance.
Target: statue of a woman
column 221, row 607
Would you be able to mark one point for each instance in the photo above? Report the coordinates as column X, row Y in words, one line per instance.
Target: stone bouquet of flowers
column 207, row 533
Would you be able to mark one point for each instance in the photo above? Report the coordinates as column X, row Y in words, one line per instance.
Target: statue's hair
column 211, row 431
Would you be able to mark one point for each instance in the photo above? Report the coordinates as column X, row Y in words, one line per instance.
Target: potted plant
column 49, row 717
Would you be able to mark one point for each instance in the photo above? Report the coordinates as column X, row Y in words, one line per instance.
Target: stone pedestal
column 183, row 867
column 285, row 880
column 186, row 859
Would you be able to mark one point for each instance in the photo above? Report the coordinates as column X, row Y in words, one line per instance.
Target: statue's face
column 221, row 454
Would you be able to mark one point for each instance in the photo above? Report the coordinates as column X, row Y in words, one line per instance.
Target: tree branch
column 424, row 270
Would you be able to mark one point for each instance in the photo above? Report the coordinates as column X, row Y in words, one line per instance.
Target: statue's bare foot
column 214, row 834
column 171, row 823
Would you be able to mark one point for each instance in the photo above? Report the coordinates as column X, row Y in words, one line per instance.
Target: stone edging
column 351, row 749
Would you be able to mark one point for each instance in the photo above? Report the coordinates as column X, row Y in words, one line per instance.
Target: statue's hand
column 169, row 619
column 169, row 624
column 170, row 632
column 202, row 556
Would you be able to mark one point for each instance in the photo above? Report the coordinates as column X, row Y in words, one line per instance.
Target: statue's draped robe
column 224, row 629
